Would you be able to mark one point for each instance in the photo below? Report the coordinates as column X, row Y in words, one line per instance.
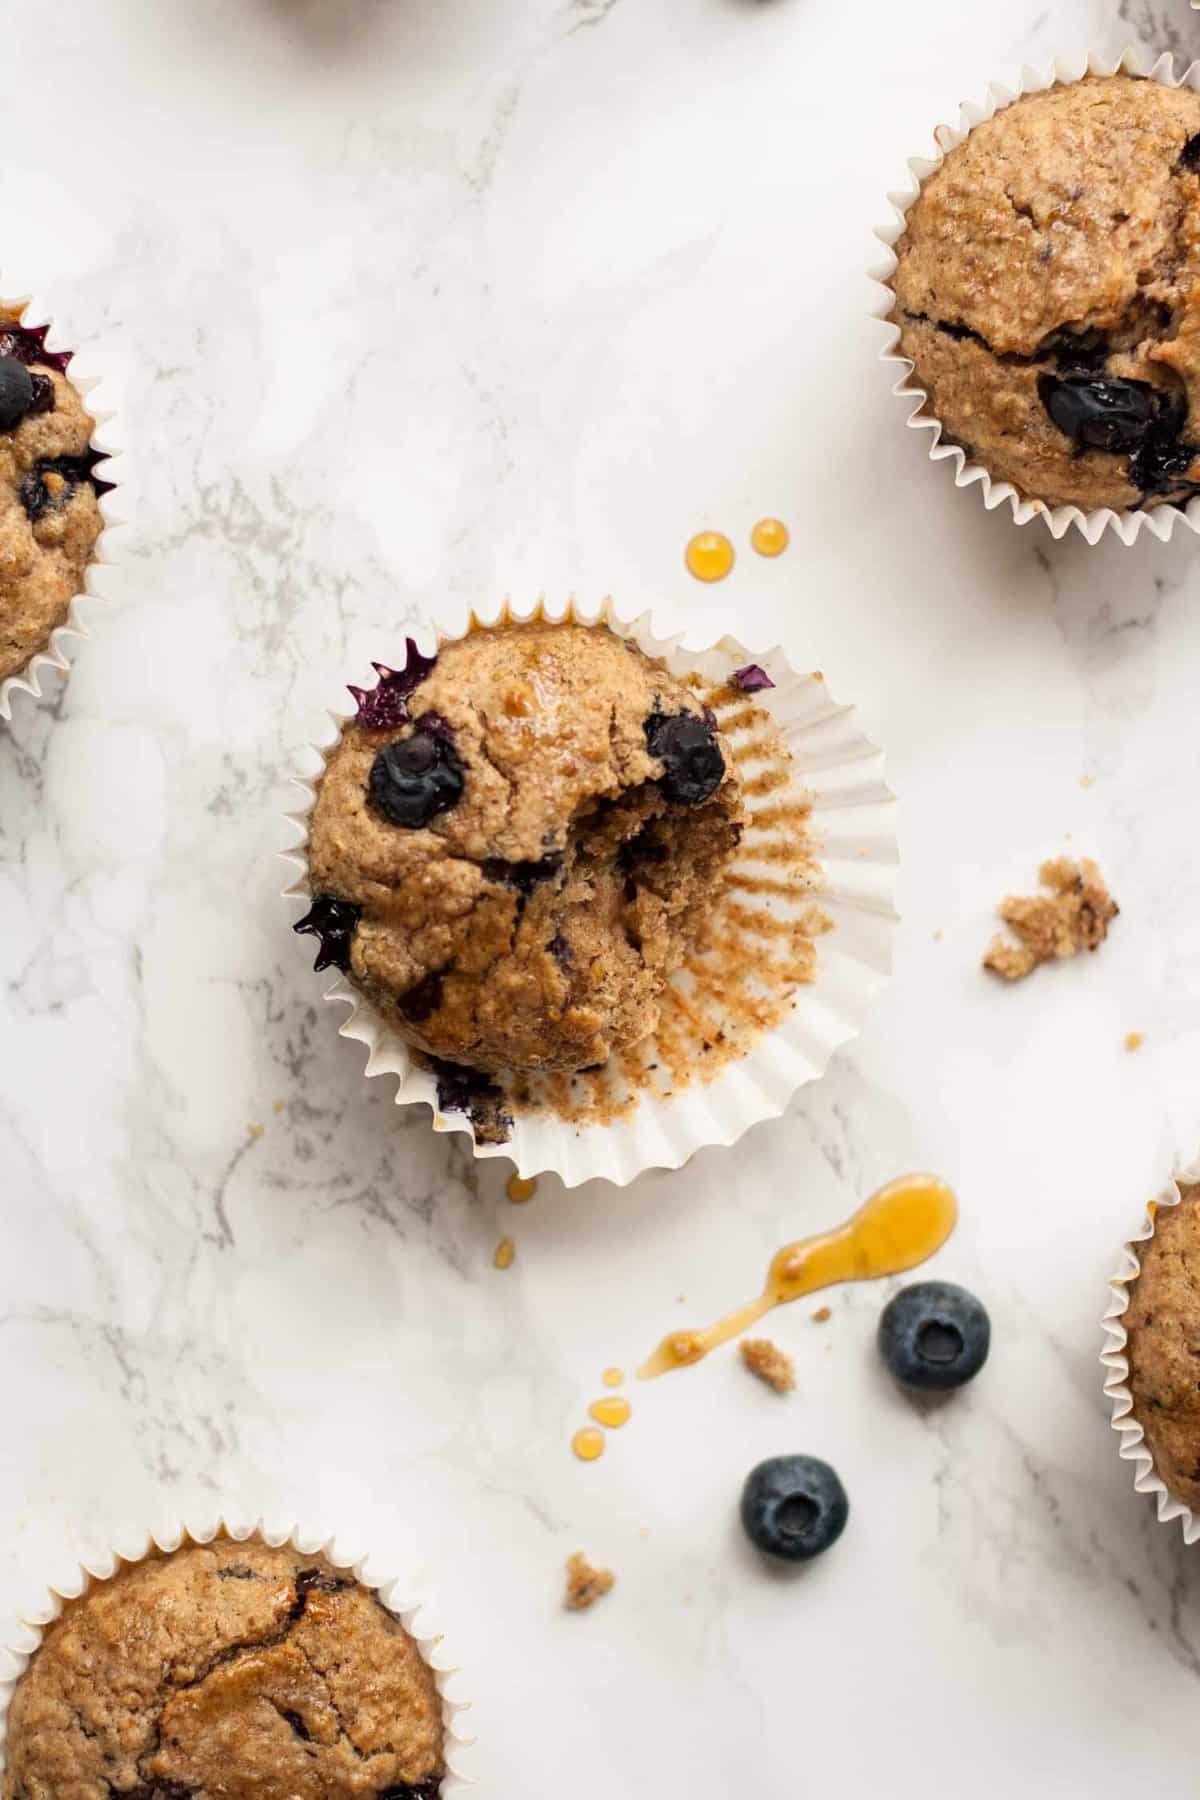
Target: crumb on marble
column 1134, row 1040
column 255, row 1129
column 1085, row 781
column 771, row 1364
column 585, row 1585
column 278, row 1106
column 822, row 1315
column 937, row 936
column 1074, row 915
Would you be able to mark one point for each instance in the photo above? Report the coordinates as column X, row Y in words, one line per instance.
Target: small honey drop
column 770, row 537
column 519, row 1189
column 709, row 556
column 613, row 1412
column 588, row 1444
column 613, row 1377
column 502, row 1257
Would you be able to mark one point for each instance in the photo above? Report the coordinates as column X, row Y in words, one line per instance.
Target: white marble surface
column 408, row 302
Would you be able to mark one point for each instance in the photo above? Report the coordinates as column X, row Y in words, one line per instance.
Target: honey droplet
column 709, row 556
column 613, row 1377
column 519, row 1189
column 770, row 537
column 588, row 1444
column 502, row 1257
column 613, row 1412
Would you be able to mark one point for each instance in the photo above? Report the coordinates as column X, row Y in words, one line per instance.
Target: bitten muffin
column 514, row 844
column 1162, row 1322
column 1048, row 293
column 49, row 512
column 224, row 1673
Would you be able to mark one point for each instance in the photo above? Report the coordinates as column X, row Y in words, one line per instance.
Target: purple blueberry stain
column 28, row 344
column 752, row 679
column 334, row 923
column 470, row 1091
column 385, row 706
column 38, row 496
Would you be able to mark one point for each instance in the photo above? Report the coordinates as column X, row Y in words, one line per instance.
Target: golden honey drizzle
column 741, row 976
column 613, row 1411
column 901, row 1225
column 709, row 556
column 519, row 1189
column 770, row 537
column 588, row 1444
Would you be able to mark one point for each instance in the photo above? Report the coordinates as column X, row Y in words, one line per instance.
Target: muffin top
column 1048, row 293
column 513, row 844
column 1163, row 1325
column 49, row 515
column 231, row 1671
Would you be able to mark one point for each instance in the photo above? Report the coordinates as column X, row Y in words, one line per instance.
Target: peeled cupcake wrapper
column 852, row 831
column 1146, row 1480
column 1160, row 521
column 57, row 652
column 19, row 1644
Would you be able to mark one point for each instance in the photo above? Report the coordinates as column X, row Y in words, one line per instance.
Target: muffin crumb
column 822, row 1315
column 585, row 1585
column 771, row 1364
column 1075, row 915
column 1134, row 1040
column 504, row 1254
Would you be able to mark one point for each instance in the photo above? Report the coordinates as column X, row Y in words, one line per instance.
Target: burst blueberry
column 385, row 706
column 693, row 767
column 794, row 1507
column 415, row 779
column 16, row 392
column 334, row 922
column 934, row 1336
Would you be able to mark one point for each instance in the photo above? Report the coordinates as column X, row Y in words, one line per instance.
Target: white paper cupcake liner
column 837, row 771
column 1116, row 1365
column 1159, row 521
column 59, row 648
column 22, row 1639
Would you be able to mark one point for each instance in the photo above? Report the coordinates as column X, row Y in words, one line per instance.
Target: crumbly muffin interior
column 230, row 1672
column 1163, row 1326
column 1048, row 293
column 591, row 808
column 49, row 512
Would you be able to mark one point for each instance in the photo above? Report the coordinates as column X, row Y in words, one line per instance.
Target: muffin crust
column 1058, row 246
column 224, row 1673
column 49, row 512
column 531, row 923
column 1163, row 1326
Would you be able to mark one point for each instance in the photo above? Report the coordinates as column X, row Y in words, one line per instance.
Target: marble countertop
column 406, row 303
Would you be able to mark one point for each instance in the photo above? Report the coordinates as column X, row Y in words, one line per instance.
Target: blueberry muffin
column 1048, row 294
column 49, row 512
column 1162, row 1322
column 232, row 1672
column 513, row 845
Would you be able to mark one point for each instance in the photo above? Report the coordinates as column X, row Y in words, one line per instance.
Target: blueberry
column 416, row 778
column 385, row 706
column 794, row 1507
column 422, row 1001
column 16, row 392
column 334, row 922
column 524, row 876
column 1100, row 412
column 428, row 1789
column 470, row 1091
column 40, row 494
column 693, row 766
column 752, row 679
column 934, row 1335
column 1190, row 157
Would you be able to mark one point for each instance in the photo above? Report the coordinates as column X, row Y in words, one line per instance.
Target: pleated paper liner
column 796, row 949
column 1133, row 1448
column 21, row 1641
column 57, row 652
column 1159, row 521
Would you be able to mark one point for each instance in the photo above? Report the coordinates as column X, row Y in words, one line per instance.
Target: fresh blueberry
column 693, row 766
column 794, row 1507
column 416, row 778
column 934, row 1335
column 333, row 922
column 16, row 392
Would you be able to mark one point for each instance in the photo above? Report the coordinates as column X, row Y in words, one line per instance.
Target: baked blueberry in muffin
column 1048, row 293
column 49, row 489
column 510, row 853
column 233, row 1671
